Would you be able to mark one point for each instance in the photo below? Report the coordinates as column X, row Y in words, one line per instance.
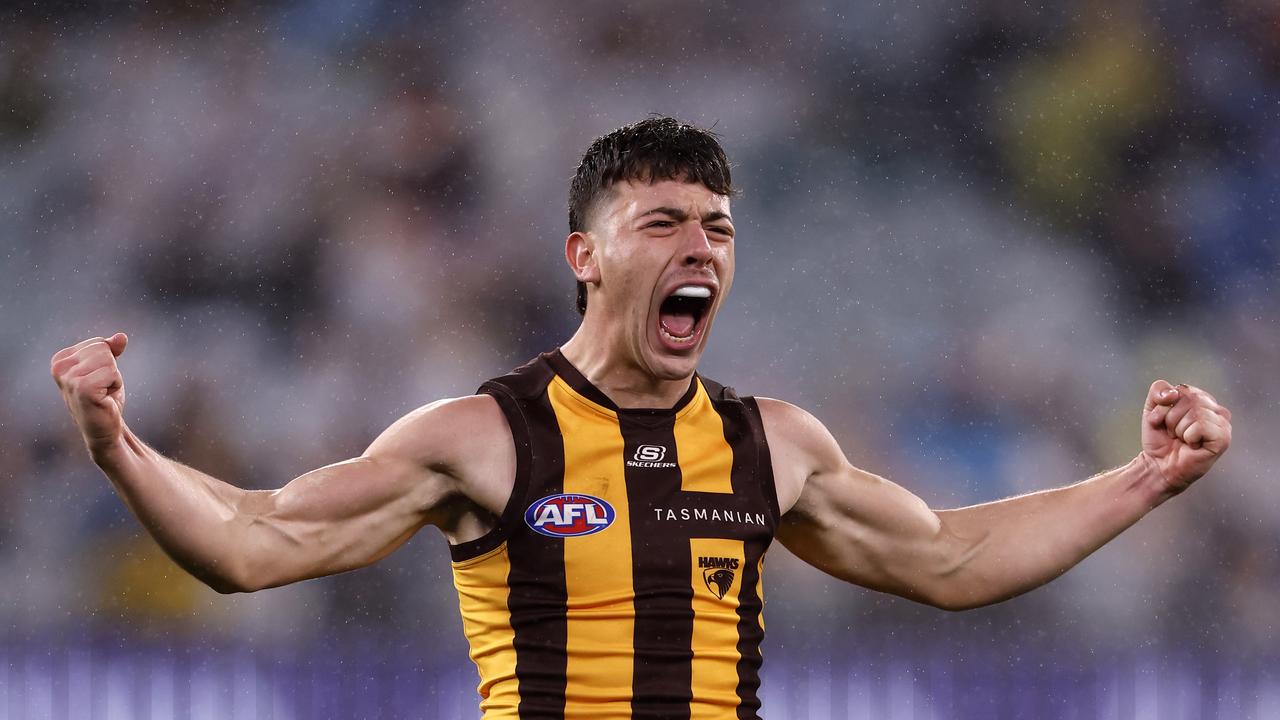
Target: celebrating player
column 608, row 508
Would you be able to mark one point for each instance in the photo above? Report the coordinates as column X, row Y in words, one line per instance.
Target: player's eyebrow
column 680, row 215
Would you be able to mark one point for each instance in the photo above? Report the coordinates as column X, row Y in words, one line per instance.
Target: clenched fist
column 1184, row 432
column 93, row 388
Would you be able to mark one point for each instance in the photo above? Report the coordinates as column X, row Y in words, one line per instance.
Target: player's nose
column 697, row 246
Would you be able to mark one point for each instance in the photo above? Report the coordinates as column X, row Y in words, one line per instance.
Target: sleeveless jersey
column 622, row 579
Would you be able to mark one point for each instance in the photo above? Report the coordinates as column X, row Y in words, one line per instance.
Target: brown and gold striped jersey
column 623, row 578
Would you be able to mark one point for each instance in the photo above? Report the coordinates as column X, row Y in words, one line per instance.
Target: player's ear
column 580, row 252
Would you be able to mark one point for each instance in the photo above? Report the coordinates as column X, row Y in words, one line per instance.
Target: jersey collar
column 583, row 387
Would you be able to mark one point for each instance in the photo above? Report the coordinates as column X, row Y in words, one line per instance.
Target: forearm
column 193, row 516
column 1002, row 549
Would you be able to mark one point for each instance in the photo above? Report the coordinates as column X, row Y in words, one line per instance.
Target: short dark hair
column 656, row 148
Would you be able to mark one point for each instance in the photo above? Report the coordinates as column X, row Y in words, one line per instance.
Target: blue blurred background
column 970, row 236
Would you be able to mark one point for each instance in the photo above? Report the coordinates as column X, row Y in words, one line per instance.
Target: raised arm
column 866, row 530
column 339, row 517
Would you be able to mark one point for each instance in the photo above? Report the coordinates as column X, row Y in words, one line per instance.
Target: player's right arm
column 338, row 517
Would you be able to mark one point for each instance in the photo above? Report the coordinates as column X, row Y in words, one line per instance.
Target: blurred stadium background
column 970, row 235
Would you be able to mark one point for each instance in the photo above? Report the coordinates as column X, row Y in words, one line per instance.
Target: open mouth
column 681, row 315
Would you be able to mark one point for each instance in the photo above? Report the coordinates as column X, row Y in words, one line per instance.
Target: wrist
column 109, row 452
column 1152, row 483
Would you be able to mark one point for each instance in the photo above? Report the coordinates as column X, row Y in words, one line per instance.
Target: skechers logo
column 567, row 515
column 650, row 456
column 717, row 573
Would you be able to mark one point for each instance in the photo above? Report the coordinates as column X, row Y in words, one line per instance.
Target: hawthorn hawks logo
column 717, row 573
column 568, row 515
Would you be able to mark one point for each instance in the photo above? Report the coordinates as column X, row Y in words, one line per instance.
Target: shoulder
column 800, row 447
column 464, row 439
column 794, row 428
column 443, row 427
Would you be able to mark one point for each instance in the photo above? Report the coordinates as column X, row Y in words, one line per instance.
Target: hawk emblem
column 718, row 580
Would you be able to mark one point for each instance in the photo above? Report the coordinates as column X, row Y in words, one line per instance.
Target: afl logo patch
column 568, row 515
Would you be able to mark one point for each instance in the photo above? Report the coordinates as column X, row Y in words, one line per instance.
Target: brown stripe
column 663, row 675
column 538, row 600
column 750, row 633
column 758, row 465
column 753, row 467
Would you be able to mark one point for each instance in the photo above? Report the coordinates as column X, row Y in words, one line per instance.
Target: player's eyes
column 718, row 229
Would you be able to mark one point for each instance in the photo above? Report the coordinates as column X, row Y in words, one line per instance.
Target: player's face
column 664, row 253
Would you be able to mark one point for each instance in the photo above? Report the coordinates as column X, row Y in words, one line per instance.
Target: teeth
column 696, row 291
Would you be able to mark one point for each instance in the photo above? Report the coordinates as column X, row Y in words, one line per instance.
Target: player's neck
column 604, row 363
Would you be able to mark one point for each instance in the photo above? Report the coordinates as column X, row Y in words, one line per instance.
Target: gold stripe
column 715, row 626
column 760, row 592
column 706, row 459
column 482, row 598
column 601, row 598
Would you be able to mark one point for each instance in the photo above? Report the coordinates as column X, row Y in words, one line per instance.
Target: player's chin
column 665, row 367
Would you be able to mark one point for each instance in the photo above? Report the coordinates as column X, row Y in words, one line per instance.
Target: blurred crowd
column 970, row 236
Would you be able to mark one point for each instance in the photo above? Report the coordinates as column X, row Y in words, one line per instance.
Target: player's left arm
column 864, row 529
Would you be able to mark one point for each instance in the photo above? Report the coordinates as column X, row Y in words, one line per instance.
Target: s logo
column 567, row 515
column 650, row 453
